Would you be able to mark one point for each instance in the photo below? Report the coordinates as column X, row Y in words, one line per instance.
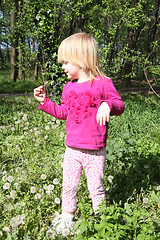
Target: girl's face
column 73, row 71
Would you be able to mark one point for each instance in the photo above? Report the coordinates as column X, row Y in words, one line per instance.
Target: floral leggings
column 93, row 162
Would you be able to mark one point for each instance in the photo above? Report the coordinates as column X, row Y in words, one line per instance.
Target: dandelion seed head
column 145, row 200
column 57, row 200
column 10, row 207
column 4, row 178
column 48, row 192
column 6, row 229
column 6, row 186
column 157, row 188
column 58, row 122
column 110, row 179
column 33, row 189
column 43, row 176
column 37, row 196
column 50, row 233
column 65, row 232
column 10, row 179
column 50, row 187
column 13, row 193
column 47, row 127
column 56, row 181
column 17, row 122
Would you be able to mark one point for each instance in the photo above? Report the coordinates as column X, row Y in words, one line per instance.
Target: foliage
column 32, row 148
column 126, row 31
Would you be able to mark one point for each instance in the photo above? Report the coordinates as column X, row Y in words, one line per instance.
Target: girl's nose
column 63, row 65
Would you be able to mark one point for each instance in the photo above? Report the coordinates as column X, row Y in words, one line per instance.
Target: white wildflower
column 24, row 118
column 10, row 207
column 37, row 196
column 4, row 172
column 145, row 200
column 13, row 129
column 10, row 179
column 47, row 127
column 37, row 132
column 65, row 232
column 46, row 137
column 48, row 192
column 45, row 187
column 50, row 233
column 157, row 188
column 6, row 229
column 107, row 189
column 53, row 119
column 17, row 147
column 58, row 122
column 43, row 176
column 15, row 118
column 25, row 128
column 110, row 179
column 62, row 135
column 6, row 185
column 50, row 187
column 17, row 122
column 56, row 181
column 57, row 200
column 17, row 169
column 29, row 100
column 13, row 194
column 4, row 178
column 1, row 234
column 15, row 221
column 33, row 189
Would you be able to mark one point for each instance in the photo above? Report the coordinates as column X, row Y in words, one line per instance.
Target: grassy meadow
column 32, row 150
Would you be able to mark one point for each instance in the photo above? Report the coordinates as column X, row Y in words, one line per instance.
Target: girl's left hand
column 103, row 114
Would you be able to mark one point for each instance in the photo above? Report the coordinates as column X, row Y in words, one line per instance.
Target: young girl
column 88, row 100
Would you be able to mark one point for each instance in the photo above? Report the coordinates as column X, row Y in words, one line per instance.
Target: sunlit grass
column 32, row 151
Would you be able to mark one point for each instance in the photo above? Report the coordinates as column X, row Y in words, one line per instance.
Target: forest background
column 33, row 143
column 127, row 33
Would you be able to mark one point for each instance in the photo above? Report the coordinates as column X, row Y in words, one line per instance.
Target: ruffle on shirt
column 78, row 105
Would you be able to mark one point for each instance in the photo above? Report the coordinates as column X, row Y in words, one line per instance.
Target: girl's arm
column 112, row 98
column 46, row 105
column 111, row 105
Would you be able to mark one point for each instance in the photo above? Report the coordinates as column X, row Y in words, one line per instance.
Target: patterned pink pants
column 93, row 162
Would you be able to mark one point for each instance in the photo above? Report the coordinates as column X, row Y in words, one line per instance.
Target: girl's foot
column 62, row 224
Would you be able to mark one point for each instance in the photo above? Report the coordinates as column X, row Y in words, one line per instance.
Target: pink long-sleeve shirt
column 79, row 106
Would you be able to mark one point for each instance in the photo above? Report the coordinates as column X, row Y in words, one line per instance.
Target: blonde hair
column 81, row 49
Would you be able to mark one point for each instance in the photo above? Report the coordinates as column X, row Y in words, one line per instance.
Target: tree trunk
column 20, row 46
column 14, row 42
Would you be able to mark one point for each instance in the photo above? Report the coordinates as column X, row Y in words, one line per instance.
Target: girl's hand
column 103, row 114
column 40, row 94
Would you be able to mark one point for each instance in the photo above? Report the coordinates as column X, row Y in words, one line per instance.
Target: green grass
column 31, row 156
column 8, row 86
